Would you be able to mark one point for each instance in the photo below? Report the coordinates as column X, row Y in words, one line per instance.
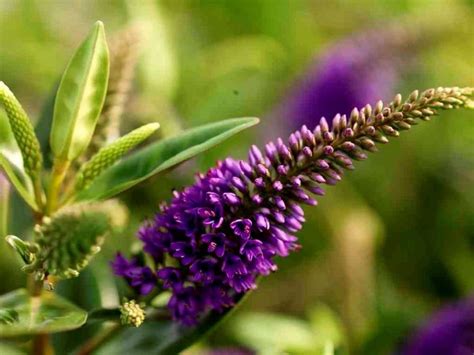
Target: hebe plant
column 205, row 249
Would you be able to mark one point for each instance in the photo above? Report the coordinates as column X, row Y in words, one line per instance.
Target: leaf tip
column 99, row 25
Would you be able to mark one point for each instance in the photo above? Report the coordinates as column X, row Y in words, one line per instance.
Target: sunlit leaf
column 80, row 96
column 49, row 313
column 327, row 327
column 276, row 333
column 162, row 155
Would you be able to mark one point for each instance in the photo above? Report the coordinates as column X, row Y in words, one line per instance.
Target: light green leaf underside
column 162, row 155
column 49, row 313
column 80, row 96
column 11, row 162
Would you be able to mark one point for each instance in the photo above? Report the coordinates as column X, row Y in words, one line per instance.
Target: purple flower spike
column 216, row 237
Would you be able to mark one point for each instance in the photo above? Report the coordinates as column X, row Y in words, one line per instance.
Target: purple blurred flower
column 448, row 332
column 360, row 69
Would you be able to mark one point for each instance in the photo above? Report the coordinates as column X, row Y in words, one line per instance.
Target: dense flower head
column 217, row 236
column 450, row 331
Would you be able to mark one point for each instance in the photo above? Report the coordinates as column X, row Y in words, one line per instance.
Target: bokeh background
column 390, row 244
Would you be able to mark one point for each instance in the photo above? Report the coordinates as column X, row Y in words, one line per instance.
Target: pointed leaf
column 80, row 96
column 46, row 314
column 162, row 155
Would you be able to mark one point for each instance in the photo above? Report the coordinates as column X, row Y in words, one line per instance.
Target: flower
column 360, row 69
column 450, row 331
column 217, row 236
column 131, row 314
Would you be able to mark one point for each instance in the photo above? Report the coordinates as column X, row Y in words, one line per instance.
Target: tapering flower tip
column 215, row 237
column 23, row 131
column 131, row 314
column 450, row 331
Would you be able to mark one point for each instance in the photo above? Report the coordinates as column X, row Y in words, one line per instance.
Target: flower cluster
column 212, row 241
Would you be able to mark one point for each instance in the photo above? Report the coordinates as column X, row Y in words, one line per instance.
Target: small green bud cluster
column 108, row 155
column 131, row 313
column 23, row 132
column 66, row 244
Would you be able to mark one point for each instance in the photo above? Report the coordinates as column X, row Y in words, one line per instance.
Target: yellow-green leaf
column 80, row 96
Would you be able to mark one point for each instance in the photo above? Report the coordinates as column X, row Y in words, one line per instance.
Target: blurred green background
column 391, row 243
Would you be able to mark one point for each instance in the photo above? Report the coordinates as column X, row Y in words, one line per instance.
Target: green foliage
column 46, row 314
column 24, row 249
column 8, row 316
column 108, row 155
column 123, row 59
column 23, row 131
column 80, row 97
column 160, row 156
column 161, row 337
column 68, row 241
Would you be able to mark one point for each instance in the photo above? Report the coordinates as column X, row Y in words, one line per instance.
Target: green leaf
column 327, row 327
column 160, row 337
column 46, row 314
column 80, row 96
column 162, row 155
column 11, row 161
column 6, row 349
column 273, row 333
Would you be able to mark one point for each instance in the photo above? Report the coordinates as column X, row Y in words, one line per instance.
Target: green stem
column 4, row 206
column 38, row 191
column 57, row 176
column 40, row 343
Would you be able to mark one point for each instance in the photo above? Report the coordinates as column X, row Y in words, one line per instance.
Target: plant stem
column 57, row 176
column 99, row 340
column 4, row 206
column 38, row 191
column 40, row 344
